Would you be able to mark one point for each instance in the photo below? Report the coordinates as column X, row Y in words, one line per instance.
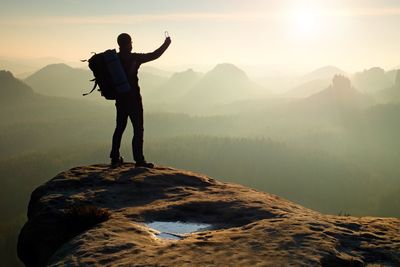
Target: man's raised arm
column 157, row 53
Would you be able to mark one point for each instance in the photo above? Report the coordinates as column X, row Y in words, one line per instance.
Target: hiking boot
column 115, row 162
column 144, row 164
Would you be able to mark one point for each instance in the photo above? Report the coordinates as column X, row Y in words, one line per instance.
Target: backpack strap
column 94, row 87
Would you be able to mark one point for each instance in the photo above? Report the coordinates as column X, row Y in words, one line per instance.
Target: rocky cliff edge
column 95, row 215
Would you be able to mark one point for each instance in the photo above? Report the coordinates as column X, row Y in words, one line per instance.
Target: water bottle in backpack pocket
column 109, row 74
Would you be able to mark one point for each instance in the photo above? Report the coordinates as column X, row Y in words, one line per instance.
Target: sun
column 305, row 22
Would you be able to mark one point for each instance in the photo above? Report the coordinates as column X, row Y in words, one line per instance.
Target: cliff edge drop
column 95, row 215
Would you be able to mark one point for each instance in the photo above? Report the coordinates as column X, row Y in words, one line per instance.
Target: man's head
column 125, row 42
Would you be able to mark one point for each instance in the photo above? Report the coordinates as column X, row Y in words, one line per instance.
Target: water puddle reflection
column 177, row 230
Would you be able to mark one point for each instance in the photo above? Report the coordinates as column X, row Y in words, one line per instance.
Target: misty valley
column 328, row 140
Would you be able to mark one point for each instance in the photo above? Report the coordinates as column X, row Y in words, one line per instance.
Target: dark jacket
column 131, row 63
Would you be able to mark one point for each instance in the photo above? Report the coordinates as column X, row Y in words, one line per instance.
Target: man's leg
column 121, row 120
column 138, row 130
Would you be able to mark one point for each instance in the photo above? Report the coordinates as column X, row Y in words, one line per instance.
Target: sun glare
column 305, row 22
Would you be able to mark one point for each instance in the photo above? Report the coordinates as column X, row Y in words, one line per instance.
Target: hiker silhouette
column 130, row 104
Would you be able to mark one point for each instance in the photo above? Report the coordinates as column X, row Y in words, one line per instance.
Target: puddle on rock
column 177, row 230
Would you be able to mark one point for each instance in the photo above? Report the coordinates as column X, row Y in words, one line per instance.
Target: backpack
column 109, row 74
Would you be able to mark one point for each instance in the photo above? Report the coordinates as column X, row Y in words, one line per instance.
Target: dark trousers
column 130, row 106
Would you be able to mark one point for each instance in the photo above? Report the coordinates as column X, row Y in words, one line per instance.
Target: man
column 130, row 104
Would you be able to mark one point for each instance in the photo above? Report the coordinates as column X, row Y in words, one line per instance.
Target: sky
column 302, row 34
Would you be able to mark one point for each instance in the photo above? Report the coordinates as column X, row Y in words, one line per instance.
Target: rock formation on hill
column 341, row 94
column 94, row 216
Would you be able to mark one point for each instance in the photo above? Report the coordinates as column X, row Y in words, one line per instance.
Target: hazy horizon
column 352, row 35
column 24, row 67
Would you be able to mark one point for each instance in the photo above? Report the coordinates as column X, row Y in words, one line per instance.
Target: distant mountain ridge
column 173, row 89
column 12, row 88
column 156, row 71
column 21, row 102
column 324, row 73
column 224, row 84
column 23, row 67
column 65, row 81
column 60, row 80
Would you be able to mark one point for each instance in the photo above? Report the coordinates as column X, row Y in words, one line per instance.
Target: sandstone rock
column 250, row 227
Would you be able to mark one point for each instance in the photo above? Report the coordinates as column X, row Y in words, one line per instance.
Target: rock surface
column 251, row 227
